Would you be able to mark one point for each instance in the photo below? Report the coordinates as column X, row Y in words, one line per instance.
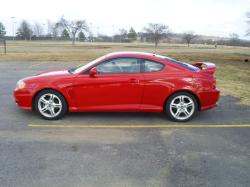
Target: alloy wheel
column 49, row 105
column 182, row 107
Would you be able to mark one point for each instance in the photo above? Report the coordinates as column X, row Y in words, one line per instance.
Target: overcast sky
column 208, row 17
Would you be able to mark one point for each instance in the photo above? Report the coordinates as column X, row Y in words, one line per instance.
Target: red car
column 122, row 81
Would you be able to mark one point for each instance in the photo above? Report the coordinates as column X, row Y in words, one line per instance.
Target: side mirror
column 93, row 72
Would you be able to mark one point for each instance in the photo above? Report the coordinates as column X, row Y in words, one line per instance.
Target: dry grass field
column 233, row 73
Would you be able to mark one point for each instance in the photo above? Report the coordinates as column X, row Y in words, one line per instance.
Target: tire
column 50, row 105
column 181, row 107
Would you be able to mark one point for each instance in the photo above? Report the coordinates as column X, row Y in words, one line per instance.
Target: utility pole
column 4, row 43
column 13, row 27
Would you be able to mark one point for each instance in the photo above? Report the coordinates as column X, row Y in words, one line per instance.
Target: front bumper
column 23, row 98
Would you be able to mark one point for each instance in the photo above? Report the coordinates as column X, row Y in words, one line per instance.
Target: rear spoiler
column 206, row 67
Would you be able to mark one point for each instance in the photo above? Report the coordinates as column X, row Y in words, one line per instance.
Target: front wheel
column 50, row 104
column 181, row 107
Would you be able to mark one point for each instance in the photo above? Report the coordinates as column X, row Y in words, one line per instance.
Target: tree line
column 79, row 30
column 71, row 30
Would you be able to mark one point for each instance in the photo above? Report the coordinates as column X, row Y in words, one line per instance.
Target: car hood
column 49, row 76
column 54, row 73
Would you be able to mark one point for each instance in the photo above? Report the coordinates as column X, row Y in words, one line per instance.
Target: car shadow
column 229, row 111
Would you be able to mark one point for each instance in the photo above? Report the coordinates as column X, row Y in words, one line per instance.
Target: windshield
column 86, row 66
column 183, row 64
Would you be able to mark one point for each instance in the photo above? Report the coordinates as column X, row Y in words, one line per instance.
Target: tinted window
column 151, row 66
column 120, row 66
column 183, row 64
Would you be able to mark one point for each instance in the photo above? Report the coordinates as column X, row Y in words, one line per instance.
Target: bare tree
column 73, row 27
column 234, row 36
column 53, row 30
column 188, row 37
column 90, row 37
column 235, row 39
column 37, row 29
column 123, row 34
column 24, row 31
column 2, row 30
column 157, row 31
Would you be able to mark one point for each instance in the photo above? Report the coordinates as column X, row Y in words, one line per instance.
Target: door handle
column 133, row 80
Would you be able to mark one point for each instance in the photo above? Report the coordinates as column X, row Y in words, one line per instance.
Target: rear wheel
column 181, row 107
column 50, row 104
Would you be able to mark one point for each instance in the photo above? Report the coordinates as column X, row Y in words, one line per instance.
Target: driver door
column 116, row 86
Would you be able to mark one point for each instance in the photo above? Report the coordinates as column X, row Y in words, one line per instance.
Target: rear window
column 183, row 64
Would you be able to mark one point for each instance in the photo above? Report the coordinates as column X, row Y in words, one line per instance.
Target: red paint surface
column 124, row 92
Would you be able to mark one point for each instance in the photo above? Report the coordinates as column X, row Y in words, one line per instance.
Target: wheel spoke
column 56, row 105
column 177, row 114
column 174, row 105
column 189, row 104
column 182, row 99
column 52, row 97
column 186, row 112
column 43, row 100
column 45, row 108
column 52, row 112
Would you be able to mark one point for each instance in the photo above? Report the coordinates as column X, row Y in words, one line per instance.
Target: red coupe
column 122, row 81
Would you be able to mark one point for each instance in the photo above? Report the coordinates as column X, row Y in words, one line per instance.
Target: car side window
column 151, row 66
column 119, row 66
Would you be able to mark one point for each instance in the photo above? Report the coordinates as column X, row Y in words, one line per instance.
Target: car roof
column 137, row 54
column 152, row 56
column 134, row 53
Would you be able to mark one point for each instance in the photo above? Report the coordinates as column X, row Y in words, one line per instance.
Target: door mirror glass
column 93, row 72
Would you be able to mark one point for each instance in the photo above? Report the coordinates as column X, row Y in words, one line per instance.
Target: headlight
column 20, row 85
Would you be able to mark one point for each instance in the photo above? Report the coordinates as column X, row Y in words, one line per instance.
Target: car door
column 116, row 86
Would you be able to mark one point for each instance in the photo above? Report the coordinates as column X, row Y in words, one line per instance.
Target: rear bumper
column 23, row 99
column 209, row 99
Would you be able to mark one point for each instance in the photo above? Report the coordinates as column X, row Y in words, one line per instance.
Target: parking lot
column 33, row 154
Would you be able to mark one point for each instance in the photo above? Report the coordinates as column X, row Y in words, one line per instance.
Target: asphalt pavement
column 42, row 156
